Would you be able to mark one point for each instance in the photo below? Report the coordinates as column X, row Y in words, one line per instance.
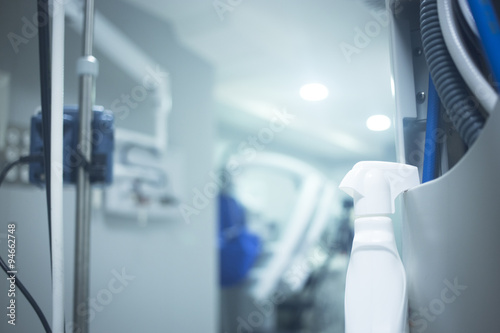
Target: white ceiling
column 264, row 50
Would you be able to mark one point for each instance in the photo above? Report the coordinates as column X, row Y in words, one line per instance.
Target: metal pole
column 83, row 195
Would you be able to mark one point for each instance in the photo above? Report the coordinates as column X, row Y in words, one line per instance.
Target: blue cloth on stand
column 238, row 248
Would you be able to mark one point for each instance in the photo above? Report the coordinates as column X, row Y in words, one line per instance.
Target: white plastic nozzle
column 374, row 186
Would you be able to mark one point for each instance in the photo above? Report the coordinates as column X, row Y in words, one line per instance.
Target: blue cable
column 429, row 171
column 489, row 30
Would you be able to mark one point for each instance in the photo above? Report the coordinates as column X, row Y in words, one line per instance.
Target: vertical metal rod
column 83, row 195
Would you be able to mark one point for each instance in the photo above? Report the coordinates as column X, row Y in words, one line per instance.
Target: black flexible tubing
column 19, row 284
column 460, row 106
column 30, row 298
column 21, row 160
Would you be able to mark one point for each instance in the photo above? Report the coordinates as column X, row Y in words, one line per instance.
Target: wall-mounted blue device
column 101, row 139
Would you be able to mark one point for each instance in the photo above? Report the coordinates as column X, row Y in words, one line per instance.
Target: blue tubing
column 429, row 171
column 489, row 31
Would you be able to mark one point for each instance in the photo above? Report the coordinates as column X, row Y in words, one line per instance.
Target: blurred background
column 235, row 122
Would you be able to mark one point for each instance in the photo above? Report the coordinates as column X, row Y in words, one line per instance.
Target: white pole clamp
column 87, row 65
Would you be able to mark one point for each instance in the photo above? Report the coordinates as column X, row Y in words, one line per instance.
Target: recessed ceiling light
column 378, row 123
column 313, row 92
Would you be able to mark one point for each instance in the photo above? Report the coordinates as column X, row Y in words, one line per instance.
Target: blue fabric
column 238, row 248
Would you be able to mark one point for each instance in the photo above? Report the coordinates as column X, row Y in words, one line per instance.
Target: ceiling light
column 313, row 92
column 378, row 123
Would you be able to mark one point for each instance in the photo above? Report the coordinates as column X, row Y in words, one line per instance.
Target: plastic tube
column 431, row 144
column 478, row 85
column 449, row 84
column 56, row 156
column 489, row 30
